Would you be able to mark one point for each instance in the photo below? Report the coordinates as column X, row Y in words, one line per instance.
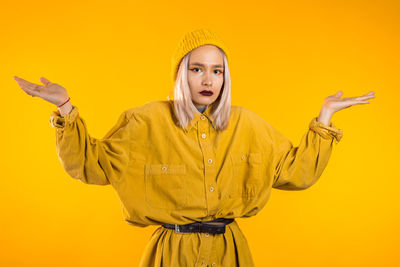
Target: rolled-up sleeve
column 88, row 159
column 297, row 168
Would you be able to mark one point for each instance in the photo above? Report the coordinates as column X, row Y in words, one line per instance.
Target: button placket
column 204, row 132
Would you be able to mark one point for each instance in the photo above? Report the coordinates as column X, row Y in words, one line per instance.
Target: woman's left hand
column 334, row 103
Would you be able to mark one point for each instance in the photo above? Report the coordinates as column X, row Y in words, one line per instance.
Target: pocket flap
column 165, row 169
column 252, row 157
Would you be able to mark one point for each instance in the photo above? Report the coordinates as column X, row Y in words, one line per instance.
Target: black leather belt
column 201, row 227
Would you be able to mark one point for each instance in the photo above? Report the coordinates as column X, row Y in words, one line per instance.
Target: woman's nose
column 207, row 82
column 207, row 79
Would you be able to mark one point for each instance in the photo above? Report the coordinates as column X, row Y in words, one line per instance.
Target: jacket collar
column 198, row 117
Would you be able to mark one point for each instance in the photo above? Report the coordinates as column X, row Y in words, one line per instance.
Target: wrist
column 325, row 116
column 65, row 109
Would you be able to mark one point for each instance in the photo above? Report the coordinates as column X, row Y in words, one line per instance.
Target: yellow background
column 286, row 58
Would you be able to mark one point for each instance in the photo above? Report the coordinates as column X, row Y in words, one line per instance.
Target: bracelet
column 64, row 102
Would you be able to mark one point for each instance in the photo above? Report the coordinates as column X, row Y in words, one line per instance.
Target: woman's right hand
column 50, row 92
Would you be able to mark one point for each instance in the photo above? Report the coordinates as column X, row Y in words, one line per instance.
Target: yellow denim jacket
column 164, row 174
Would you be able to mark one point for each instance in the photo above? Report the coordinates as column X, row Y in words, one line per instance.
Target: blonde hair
column 184, row 109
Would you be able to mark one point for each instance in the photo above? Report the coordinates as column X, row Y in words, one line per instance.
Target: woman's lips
column 206, row 93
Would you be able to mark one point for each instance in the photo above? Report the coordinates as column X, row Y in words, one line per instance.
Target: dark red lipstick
column 206, row 93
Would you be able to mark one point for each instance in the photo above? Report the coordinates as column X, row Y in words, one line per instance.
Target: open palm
column 51, row 92
column 335, row 103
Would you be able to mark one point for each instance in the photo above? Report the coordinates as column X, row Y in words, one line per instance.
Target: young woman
column 194, row 163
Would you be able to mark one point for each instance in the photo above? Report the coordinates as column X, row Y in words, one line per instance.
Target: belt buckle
column 177, row 228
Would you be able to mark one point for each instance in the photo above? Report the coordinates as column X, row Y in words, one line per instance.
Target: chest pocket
column 246, row 171
column 165, row 185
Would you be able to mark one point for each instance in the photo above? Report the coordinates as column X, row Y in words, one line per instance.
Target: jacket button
column 164, row 168
column 203, row 135
column 213, row 264
column 211, row 189
column 210, row 161
column 202, row 117
column 243, row 157
column 207, row 234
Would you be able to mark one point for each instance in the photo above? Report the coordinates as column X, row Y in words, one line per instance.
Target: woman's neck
column 201, row 109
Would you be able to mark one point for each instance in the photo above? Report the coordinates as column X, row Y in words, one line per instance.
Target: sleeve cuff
column 57, row 121
column 326, row 131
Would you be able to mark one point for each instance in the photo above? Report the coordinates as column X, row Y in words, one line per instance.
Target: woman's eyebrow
column 202, row 65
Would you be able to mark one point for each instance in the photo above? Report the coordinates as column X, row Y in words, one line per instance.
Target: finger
column 364, row 97
column 25, row 83
column 370, row 93
column 362, row 102
column 338, row 94
column 20, row 80
column 45, row 81
column 30, row 88
column 355, row 102
column 368, row 97
column 30, row 92
column 24, row 88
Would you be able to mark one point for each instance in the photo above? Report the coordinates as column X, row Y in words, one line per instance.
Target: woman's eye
column 199, row 69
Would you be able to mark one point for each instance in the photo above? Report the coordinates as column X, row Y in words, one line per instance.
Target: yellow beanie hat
column 192, row 40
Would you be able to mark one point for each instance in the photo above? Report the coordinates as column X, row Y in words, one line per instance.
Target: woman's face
column 206, row 72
